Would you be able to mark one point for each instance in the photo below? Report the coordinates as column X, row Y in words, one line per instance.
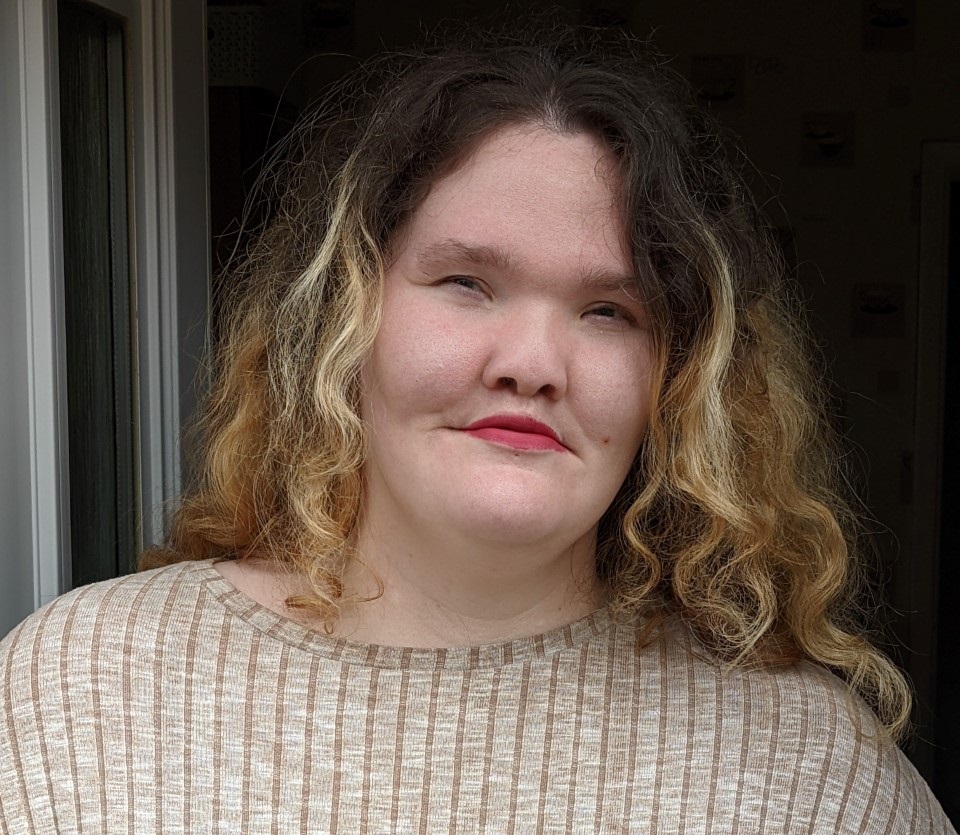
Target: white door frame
column 940, row 163
column 170, row 253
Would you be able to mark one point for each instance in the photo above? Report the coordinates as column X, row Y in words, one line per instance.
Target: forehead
column 530, row 192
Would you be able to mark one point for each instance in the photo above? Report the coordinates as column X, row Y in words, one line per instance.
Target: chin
column 522, row 526
column 521, row 510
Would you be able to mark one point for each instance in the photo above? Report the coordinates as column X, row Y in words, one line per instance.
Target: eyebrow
column 611, row 282
column 451, row 249
column 494, row 257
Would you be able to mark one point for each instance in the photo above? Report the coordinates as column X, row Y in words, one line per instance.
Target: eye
column 466, row 284
column 610, row 314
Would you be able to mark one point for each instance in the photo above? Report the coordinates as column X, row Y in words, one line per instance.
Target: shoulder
column 100, row 605
column 805, row 744
column 71, row 670
column 864, row 782
column 85, row 626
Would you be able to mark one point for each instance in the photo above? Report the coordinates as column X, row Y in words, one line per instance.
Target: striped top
column 169, row 702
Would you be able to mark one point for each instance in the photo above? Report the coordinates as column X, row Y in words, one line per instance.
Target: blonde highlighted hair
column 733, row 514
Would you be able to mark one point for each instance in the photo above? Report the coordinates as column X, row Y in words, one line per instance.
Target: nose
column 529, row 355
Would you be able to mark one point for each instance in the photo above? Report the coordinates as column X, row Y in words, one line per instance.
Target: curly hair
column 733, row 515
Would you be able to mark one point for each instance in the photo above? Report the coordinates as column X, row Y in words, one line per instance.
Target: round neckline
column 484, row 656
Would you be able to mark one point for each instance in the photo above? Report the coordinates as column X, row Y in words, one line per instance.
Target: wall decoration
column 889, row 25
column 828, row 139
column 718, row 80
column 235, row 46
column 878, row 311
column 765, row 65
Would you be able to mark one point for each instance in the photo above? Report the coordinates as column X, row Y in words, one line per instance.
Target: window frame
column 170, row 261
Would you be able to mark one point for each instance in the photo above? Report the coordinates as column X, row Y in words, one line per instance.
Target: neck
column 434, row 591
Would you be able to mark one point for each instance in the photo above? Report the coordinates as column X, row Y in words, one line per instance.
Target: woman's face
column 508, row 389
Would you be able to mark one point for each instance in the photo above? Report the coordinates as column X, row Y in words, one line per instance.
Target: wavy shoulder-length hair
column 732, row 515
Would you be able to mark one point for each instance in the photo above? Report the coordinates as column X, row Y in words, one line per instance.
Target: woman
column 516, row 514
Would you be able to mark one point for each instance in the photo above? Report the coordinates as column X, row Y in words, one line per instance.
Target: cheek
column 419, row 364
column 615, row 398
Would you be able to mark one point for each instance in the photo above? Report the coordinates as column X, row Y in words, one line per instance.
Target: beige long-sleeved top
column 170, row 702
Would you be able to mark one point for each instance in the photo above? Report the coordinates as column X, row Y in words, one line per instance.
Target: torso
column 172, row 701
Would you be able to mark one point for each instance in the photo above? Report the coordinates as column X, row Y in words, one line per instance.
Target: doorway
column 100, row 359
column 933, row 570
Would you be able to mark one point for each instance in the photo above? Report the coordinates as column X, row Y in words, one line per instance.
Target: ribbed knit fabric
column 170, row 702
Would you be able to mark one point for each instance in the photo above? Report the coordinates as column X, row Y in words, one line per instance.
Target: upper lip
column 516, row 423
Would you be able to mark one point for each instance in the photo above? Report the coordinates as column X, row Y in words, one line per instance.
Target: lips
column 516, row 431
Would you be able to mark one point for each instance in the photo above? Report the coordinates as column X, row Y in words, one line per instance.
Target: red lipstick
column 517, row 431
